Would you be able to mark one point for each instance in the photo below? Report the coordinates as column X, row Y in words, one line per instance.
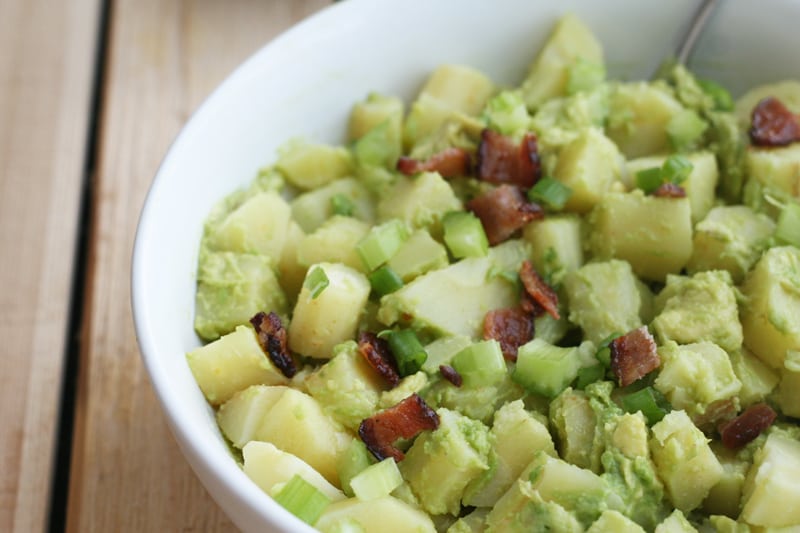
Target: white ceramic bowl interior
column 304, row 83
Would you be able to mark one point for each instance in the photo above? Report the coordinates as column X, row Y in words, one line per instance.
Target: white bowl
column 304, row 83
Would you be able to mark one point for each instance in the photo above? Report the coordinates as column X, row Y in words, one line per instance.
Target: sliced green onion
column 676, row 169
column 377, row 481
column 351, row 462
column 407, row 351
column 589, row 374
column 788, row 227
column 381, row 243
column 341, row 204
column 546, row 369
column 302, row 499
column 604, row 351
column 584, row 75
column 316, row 281
column 464, row 235
column 481, row 363
column 551, row 192
column 649, row 179
column 723, row 100
column 385, row 280
column 647, row 400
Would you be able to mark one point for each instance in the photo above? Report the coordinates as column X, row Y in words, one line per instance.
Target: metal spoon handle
column 699, row 21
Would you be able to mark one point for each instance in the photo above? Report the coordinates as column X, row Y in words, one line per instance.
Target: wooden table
column 91, row 94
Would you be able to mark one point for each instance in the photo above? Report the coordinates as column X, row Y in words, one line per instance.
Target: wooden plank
column 164, row 57
column 46, row 77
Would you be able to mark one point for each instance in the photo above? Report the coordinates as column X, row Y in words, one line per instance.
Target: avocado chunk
column 549, row 74
column 605, row 298
column 653, row 234
column 450, row 301
column 683, row 310
column 441, row 463
column 769, row 316
column 231, row 288
column 561, row 120
column 684, row 461
column 729, row 238
column 775, row 470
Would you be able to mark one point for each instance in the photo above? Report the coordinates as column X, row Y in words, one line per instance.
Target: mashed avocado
column 448, row 385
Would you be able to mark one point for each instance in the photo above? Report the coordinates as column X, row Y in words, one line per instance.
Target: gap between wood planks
column 73, row 343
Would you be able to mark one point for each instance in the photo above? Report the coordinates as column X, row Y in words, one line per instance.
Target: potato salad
column 568, row 305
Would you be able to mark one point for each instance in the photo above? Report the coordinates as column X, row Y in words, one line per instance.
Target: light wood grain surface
column 158, row 60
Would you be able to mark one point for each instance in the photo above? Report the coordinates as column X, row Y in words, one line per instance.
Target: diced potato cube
column 269, row 467
column 758, row 380
column 334, row 242
column 420, row 202
column 789, row 391
column 638, row 118
column 776, row 170
column 320, row 323
column 258, row 226
column 297, row 424
column 387, row 515
column 292, row 273
column 684, row 461
column 675, row 523
column 419, row 254
column 725, row 497
column 314, row 207
column 375, row 110
column 240, row 417
column 788, row 92
column 614, row 522
column 604, row 298
column 693, row 376
column 575, row 424
column 682, row 310
column 769, row 316
column 588, row 165
column 775, row 471
column 653, row 234
column 556, row 246
column 309, row 166
column 729, row 238
column 231, row 364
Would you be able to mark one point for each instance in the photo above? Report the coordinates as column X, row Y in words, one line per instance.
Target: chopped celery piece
column 546, row 369
column 302, row 499
column 407, row 350
column 649, row 179
column 464, row 235
column 385, row 280
column 685, row 129
column 377, row 481
column 551, row 192
column 723, row 101
column 788, row 228
column 341, row 204
column 381, row 243
column 647, row 400
column 316, row 282
column 589, row 374
column 480, row 364
column 584, row 75
column 351, row 462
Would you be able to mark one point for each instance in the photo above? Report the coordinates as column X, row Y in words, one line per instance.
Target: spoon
column 699, row 21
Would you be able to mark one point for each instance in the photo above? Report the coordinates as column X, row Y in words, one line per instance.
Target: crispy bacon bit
column 402, row 421
column 717, row 412
column 503, row 211
column 510, row 327
column 451, row 374
column 500, row 160
column 272, row 338
column 633, row 356
column 669, row 190
column 773, row 124
column 377, row 353
column 450, row 163
column 747, row 426
column 539, row 291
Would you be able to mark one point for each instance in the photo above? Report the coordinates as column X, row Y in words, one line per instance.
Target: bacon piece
column 451, row 374
column 405, row 420
column 501, row 161
column 510, row 327
column 503, row 211
column 633, row 356
column 539, row 291
column 747, row 426
column 450, row 163
column 717, row 412
column 670, row 190
column 773, row 124
column 271, row 337
column 379, row 356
